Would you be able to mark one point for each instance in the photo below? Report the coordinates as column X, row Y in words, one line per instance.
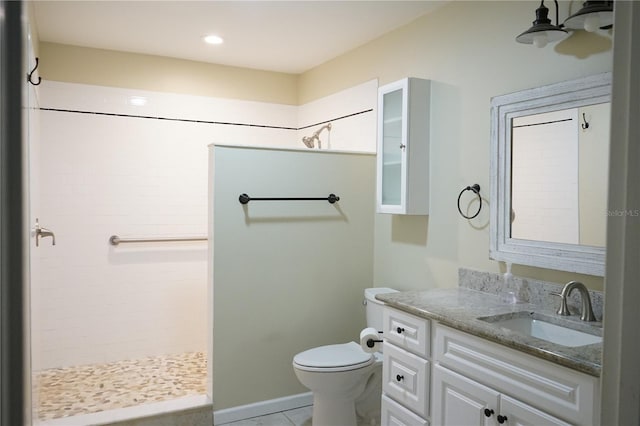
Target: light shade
column 542, row 31
column 593, row 15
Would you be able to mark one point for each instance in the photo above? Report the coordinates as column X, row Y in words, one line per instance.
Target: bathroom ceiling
column 284, row 36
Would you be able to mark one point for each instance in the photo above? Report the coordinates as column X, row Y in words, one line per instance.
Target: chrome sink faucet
column 586, row 312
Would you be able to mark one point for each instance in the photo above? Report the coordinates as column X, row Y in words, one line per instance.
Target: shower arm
column 316, row 134
column 308, row 140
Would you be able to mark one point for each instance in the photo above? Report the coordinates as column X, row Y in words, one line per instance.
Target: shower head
column 308, row 140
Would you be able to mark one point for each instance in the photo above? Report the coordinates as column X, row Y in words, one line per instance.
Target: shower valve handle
column 41, row 232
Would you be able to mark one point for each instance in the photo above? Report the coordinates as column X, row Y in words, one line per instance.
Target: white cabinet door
column 517, row 413
column 564, row 393
column 403, row 147
column 459, row 401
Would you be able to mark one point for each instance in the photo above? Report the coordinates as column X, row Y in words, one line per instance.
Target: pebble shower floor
column 70, row 391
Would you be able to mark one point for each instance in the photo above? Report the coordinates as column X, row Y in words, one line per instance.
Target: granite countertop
column 460, row 308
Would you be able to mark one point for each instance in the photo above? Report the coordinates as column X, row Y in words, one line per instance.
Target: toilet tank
column 374, row 306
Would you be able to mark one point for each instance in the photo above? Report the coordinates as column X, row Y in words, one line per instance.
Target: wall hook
column 584, row 125
column 31, row 74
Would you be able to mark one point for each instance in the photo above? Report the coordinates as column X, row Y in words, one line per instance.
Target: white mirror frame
column 559, row 256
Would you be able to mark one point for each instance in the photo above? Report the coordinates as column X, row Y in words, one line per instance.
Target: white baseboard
column 261, row 408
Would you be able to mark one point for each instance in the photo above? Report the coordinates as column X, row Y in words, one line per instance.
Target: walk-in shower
column 124, row 326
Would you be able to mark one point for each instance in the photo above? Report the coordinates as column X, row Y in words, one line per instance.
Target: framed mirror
column 549, row 175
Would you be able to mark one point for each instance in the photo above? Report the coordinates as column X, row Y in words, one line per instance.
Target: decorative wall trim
column 187, row 120
column 336, row 119
column 149, row 117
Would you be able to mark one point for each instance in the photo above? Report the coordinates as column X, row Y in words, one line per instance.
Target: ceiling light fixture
column 213, row 39
column 137, row 100
column 543, row 31
column 593, row 15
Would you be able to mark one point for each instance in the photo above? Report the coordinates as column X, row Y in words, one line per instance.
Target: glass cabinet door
column 402, row 185
column 392, row 147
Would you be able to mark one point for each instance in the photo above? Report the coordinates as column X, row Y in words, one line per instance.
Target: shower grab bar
column 114, row 240
column 332, row 198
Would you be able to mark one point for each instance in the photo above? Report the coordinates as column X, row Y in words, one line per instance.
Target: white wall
column 355, row 132
column 102, row 174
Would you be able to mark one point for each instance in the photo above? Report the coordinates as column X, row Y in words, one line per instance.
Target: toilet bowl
column 338, row 375
column 346, row 381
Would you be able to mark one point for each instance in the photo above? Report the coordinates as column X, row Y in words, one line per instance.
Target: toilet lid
column 331, row 356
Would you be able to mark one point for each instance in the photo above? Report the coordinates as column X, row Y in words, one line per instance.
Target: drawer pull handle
column 488, row 412
column 501, row 419
column 399, row 330
column 399, row 378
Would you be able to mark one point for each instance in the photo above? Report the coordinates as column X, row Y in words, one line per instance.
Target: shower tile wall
column 358, row 133
column 104, row 175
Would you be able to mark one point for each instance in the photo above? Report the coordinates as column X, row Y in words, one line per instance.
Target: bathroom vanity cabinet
column 402, row 185
column 435, row 374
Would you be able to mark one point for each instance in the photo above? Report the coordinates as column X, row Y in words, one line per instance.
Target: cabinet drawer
column 405, row 378
column 394, row 414
column 560, row 391
column 407, row 331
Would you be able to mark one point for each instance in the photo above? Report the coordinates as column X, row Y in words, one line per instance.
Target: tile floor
column 297, row 417
column 85, row 389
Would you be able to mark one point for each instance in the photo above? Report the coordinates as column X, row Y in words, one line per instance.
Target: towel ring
column 476, row 190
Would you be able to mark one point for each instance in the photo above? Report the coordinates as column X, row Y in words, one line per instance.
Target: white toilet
column 344, row 379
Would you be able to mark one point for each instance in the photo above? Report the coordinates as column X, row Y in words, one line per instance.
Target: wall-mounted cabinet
column 403, row 147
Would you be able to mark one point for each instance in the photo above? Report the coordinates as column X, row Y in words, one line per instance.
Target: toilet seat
column 332, row 358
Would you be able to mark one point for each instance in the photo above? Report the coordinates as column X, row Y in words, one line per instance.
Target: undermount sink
column 534, row 325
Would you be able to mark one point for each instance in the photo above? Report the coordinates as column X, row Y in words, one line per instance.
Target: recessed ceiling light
column 213, row 39
column 137, row 100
